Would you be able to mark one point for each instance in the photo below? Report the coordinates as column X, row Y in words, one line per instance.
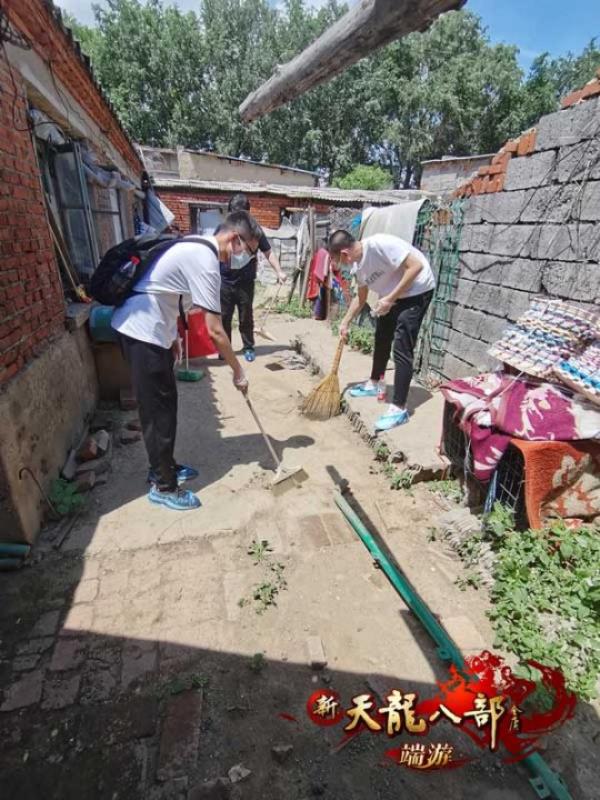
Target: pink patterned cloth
column 494, row 407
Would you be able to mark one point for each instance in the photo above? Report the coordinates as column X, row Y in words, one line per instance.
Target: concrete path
column 137, row 661
column 416, row 444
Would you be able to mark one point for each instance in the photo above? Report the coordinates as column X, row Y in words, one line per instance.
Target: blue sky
column 533, row 25
column 539, row 25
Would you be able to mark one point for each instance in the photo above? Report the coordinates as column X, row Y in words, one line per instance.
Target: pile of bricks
column 591, row 89
column 491, row 178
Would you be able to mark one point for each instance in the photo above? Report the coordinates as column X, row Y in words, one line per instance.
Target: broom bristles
column 324, row 400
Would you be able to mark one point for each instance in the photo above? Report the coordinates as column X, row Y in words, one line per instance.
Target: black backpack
column 126, row 263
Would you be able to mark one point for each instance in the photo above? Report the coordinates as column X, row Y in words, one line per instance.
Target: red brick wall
column 52, row 44
column 266, row 208
column 31, row 296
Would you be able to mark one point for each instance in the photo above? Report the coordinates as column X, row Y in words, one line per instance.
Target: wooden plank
column 311, row 233
column 368, row 25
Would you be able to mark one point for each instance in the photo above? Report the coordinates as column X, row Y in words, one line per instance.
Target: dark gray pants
column 240, row 296
column 155, row 390
column 400, row 327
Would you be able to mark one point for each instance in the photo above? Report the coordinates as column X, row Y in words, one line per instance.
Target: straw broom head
column 324, row 400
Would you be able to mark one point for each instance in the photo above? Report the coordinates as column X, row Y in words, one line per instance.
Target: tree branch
column 370, row 24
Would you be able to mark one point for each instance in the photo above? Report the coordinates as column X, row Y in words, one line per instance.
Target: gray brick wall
column 539, row 236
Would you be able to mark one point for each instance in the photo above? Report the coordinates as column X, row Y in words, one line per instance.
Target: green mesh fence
column 437, row 234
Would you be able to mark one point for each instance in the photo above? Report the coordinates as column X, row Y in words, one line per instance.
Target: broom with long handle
column 324, row 400
column 283, row 474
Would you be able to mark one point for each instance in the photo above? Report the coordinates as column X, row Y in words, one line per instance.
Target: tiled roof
column 57, row 15
column 322, row 193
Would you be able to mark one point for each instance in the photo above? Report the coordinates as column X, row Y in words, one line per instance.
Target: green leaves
column 64, row 497
column 363, row 176
column 178, row 79
column 546, row 600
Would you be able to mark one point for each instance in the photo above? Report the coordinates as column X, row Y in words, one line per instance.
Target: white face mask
column 239, row 260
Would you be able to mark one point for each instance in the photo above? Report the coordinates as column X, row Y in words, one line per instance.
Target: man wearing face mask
column 237, row 283
column 185, row 275
column 402, row 278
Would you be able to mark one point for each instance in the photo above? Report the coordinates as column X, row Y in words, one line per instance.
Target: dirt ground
column 136, row 663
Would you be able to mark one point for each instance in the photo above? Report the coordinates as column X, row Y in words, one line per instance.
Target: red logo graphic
column 486, row 702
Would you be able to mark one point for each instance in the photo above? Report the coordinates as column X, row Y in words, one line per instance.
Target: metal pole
column 545, row 782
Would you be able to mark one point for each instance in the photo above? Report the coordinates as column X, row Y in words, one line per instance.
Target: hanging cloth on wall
column 399, row 220
column 159, row 216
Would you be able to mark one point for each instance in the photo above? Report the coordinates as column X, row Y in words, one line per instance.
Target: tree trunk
column 368, row 25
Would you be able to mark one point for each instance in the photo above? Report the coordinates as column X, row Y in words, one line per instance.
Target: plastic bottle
column 122, row 278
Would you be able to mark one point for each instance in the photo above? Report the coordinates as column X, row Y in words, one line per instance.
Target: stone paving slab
column 179, row 738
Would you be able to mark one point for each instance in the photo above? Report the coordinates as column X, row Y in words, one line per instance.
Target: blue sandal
column 179, row 500
column 391, row 420
column 364, row 390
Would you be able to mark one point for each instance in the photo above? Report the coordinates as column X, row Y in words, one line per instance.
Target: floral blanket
column 494, row 407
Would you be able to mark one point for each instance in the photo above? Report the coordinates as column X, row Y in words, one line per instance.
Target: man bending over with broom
column 403, row 280
column 147, row 327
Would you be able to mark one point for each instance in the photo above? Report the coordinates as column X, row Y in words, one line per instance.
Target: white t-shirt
column 186, row 269
column 381, row 269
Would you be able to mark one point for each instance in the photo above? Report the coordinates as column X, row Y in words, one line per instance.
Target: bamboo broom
column 324, row 400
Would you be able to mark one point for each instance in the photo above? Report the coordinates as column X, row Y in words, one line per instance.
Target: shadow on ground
column 126, row 717
column 109, row 694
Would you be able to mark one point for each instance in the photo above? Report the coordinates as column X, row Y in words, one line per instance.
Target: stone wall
column 43, row 411
column 531, row 227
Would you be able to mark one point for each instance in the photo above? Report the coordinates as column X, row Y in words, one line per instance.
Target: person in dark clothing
column 237, row 284
column 402, row 278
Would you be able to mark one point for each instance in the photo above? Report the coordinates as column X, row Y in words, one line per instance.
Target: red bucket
column 199, row 341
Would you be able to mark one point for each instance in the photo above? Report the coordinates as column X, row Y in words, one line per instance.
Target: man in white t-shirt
column 402, row 278
column 187, row 273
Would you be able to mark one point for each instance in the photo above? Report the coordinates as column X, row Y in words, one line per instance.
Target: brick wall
column 532, row 227
column 31, row 296
column 265, row 208
column 38, row 21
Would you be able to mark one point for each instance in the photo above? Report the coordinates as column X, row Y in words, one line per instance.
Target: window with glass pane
column 69, row 190
column 106, row 210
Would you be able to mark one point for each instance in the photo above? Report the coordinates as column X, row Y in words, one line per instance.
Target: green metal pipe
column 545, row 782
column 446, row 648
column 8, row 564
column 14, row 549
column 544, row 779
